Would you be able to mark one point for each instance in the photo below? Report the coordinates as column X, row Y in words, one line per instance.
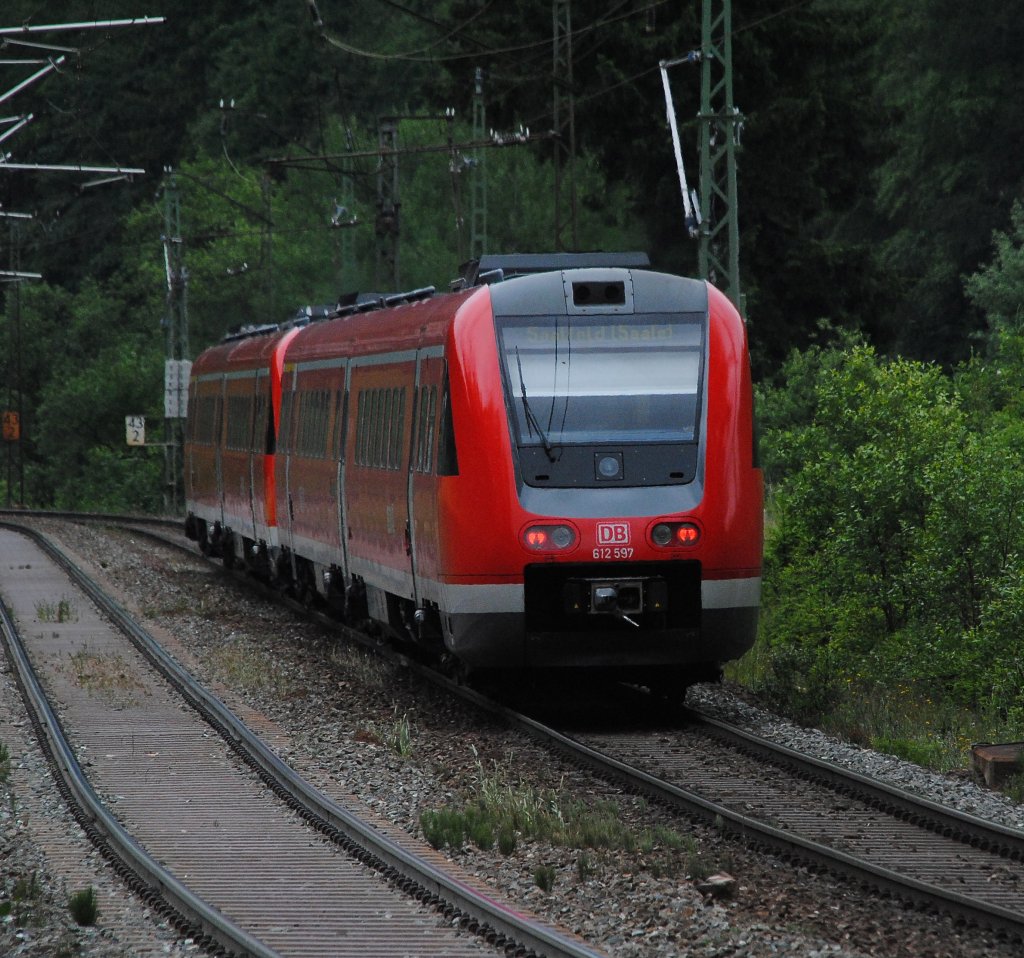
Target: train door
column 257, row 447
column 286, row 445
column 377, row 524
column 341, row 412
column 422, row 529
column 220, row 402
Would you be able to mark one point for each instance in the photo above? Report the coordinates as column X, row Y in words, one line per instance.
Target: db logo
column 613, row 533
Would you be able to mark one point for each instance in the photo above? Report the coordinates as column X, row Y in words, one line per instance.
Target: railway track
column 808, row 811
column 186, row 814
column 819, row 814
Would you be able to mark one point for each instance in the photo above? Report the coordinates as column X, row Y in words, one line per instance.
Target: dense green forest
column 882, row 258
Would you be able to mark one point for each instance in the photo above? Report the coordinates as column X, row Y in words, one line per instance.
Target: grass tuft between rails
column 84, row 906
column 502, row 809
column 63, row 610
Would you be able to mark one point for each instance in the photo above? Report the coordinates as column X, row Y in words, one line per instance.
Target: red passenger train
column 552, row 467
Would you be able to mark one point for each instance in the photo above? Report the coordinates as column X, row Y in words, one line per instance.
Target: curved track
column 812, row 812
column 266, row 885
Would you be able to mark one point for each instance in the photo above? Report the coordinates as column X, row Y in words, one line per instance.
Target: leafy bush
column 896, row 535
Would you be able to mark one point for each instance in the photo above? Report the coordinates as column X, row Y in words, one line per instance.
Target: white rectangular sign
column 135, row 430
column 176, row 377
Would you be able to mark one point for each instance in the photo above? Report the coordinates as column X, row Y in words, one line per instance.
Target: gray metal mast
column 564, row 117
column 387, row 226
column 177, row 347
column 720, row 126
column 478, row 174
column 9, row 36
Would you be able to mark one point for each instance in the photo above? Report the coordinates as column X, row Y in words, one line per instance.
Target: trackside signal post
column 176, row 363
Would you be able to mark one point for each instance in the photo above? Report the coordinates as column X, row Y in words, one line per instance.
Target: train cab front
column 623, row 518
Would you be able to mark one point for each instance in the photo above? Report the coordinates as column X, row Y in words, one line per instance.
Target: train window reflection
column 589, row 380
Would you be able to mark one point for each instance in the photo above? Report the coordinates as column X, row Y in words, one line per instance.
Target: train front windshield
column 597, row 379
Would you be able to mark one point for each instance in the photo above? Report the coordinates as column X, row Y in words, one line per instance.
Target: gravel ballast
column 347, row 718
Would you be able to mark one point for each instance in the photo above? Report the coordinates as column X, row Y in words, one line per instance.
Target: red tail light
column 549, row 538
column 671, row 535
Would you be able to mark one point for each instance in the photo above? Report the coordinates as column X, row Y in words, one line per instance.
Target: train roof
column 498, row 266
column 242, row 344
column 418, row 320
column 250, row 351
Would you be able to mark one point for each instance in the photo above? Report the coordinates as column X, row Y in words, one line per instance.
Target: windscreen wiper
column 531, row 419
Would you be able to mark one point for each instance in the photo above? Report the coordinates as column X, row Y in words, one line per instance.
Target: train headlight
column 549, row 538
column 671, row 535
column 608, row 466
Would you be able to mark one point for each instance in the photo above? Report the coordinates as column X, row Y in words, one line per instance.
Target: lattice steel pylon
column 387, row 226
column 176, row 331
column 720, row 126
column 564, row 119
column 478, row 174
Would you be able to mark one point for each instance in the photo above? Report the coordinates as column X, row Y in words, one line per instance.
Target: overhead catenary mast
column 14, row 432
column 563, row 108
column 710, row 215
column 478, row 173
column 720, row 126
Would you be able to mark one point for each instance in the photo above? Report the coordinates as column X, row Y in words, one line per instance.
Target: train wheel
column 670, row 685
column 227, row 549
column 305, row 583
column 203, row 538
column 336, row 595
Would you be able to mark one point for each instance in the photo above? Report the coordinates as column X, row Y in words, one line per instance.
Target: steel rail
column 756, row 832
column 951, row 822
column 16, row 515
column 945, row 821
column 481, row 913
column 156, row 879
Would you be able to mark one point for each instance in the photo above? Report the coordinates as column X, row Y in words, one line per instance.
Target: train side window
column 421, row 425
column 397, row 428
column 447, row 457
column 375, row 428
column 239, row 425
column 378, row 425
column 269, row 431
column 259, row 420
column 318, row 437
column 296, row 439
column 360, row 426
column 192, row 422
column 308, row 434
column 428, row 436
column 325, row 419
column 384, row 436
column 384, row 460
column 338, row 431
column 206, row 420
column 309, row 424
column 218, row 420
column 286, row 421
column 367, row 425
column 310, row 441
